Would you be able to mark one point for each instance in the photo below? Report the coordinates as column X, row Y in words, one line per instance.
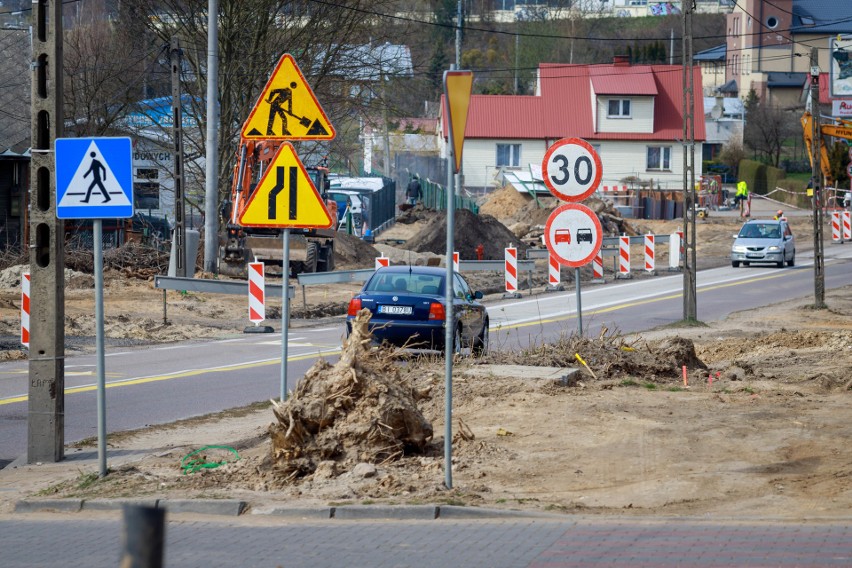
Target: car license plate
column 395, row 310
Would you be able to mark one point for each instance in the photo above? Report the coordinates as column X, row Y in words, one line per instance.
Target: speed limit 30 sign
column 571, row 169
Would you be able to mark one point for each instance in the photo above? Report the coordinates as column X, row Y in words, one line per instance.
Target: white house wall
column 479, row 159
column 641, row 115
column 623, row 159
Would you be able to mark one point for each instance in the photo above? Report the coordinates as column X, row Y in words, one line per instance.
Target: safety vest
column 742, row 189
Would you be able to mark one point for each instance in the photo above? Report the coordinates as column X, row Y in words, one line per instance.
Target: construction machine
column 841, row 129
column 311, row 250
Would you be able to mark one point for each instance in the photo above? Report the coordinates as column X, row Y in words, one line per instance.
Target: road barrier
column 455, row 262
column 675, row 248
column 382, row 261
column 554, row 277
column 846, row 221
column 835, row 227
column 25, row 309
column 256, row 294
column 624, row 257
column 597, row 268
column 650, row 262
column 511, row 271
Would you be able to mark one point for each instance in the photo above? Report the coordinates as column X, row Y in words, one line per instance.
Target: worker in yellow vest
column 741, row 197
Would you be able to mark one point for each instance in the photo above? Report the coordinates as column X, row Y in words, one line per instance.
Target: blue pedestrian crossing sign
column 94, row 178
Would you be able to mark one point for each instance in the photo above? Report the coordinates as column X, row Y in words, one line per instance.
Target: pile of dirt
column 357, row 411
column 351, row 251
column 471, row 230
column 610, row 357
column 526, row 217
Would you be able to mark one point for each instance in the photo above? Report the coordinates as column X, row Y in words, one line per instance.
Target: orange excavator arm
column 843, row 130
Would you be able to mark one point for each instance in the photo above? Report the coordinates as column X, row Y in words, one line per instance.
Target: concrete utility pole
column 690, row 307
column 816, row 175
column 182, row 262
column 46, row 394
column 211, row 159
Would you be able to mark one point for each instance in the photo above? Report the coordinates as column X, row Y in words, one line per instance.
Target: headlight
column 739, row 248
column 774, row 249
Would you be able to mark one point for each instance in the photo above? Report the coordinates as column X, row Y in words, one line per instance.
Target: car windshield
column 761, row 231
column 401, row 282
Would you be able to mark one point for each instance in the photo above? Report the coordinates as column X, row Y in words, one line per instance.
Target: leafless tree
column 767, row 128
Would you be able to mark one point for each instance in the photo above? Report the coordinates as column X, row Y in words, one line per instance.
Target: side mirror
column 478, row 295
column 735, row 235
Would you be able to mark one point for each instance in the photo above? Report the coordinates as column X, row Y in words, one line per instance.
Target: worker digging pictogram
column 287, row 108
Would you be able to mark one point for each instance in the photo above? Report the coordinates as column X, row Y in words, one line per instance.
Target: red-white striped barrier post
column 650, row 262
column 597, row 268
column 846, row 221
column 554, row 274
column 25, row 309
column 624, row 257
column 511, row 271
column 456, row 262
column 835, row 227
column 257, row 299
column 382, row 261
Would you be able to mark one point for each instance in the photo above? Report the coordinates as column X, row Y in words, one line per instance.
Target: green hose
column 195, row 464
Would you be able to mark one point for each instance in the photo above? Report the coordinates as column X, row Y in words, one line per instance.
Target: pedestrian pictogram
column 287, row 108
column 285, row 196
column 94, row 178
column 581, row 222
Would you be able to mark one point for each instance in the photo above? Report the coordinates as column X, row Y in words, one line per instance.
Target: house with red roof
column 631, row 114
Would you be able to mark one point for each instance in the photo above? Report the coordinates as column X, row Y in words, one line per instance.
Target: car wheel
column 792, row 261
column 780, row 264
column 480, row 344
column 735, row 263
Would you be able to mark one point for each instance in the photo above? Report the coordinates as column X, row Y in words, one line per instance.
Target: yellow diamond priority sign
column 287, row 108
column 285, row 196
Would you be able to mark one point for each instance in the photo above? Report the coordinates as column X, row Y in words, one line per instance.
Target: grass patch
column 629, row 383
column 650, row 386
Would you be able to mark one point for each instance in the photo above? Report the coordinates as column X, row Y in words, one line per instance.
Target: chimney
column 621, row 60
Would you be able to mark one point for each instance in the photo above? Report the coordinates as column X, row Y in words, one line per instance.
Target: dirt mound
column 349, row 250
column 611, row 357
column 504, row 203
column 359, row 410
column 471, row 230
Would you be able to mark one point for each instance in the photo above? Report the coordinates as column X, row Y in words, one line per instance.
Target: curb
column 235, row 508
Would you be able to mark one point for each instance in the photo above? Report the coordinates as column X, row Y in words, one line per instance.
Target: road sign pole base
column 623, row 276
column 597, row 281
column 557, row 288
column 512, row 295
column 259, row 329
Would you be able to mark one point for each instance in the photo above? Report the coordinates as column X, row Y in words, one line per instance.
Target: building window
column 618, row 108
column 659, row 158
column 146, row 192
column 508, row 155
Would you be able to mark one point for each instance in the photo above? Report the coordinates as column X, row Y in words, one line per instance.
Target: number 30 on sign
column 571, row 169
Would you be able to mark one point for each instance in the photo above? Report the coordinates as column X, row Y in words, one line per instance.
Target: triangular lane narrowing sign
column 94, row 184
column 287, row 108
column 285, row 196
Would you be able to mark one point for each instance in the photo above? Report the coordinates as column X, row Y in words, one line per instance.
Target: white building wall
column 479, row 159
column 622, row 159
column 641, row 115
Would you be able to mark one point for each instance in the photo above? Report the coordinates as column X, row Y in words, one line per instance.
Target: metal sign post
column 97, row 233
column 94, row 181
column 285, row 312
column 457, row 89
column 579, row 302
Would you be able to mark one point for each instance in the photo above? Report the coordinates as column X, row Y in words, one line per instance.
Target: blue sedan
column 407, row 304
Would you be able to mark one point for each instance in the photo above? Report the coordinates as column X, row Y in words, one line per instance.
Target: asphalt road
column 502, row 542
column 160, row 384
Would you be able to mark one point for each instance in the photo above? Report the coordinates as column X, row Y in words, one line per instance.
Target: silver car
column 764, row 241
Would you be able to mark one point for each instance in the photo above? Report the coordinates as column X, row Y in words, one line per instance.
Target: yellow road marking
column 185, row 374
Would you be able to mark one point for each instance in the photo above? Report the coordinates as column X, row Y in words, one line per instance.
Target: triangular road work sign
column 287, row 108
column 286, row 197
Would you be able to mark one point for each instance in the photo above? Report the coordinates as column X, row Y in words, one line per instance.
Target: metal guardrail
column 214, row 286
column 608, row 248
column 336, row 277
